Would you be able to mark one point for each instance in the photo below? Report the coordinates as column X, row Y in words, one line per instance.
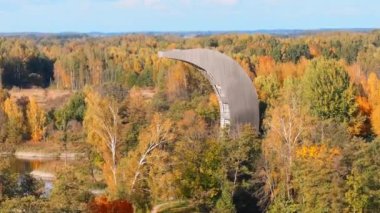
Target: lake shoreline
column 5, row 154
column 45, row 176
column 36, row 155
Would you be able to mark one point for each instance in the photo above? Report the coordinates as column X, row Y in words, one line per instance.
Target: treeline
column 316, row 150
column 23, row 65
column 132, row 60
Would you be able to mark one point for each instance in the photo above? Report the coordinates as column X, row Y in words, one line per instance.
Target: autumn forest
column 145, row 131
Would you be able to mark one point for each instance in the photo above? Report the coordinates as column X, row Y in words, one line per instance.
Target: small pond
column 41, row 169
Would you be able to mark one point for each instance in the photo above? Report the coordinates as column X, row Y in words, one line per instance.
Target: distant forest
column 149, row 128
column 72, row 63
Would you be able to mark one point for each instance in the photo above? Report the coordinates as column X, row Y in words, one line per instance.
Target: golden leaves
column 266, row 65
column 374, row 99
column 103, row 127
column 364, row 105
column 321, row 152
column 375, row 119
column 13, row 111
column 36, row 120
column 176, row 81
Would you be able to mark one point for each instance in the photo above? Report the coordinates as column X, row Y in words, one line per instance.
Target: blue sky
column 184, row 15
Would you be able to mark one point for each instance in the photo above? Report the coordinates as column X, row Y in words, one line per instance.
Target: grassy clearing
column 46, row 98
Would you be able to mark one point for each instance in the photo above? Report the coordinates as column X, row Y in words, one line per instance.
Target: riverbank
column 5, row 154
column 45, row 176
column 49, row 151
column 34, row 155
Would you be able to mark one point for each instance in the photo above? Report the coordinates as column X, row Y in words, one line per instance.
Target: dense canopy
column 147, row 130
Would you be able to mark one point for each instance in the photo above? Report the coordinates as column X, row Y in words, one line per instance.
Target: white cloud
column 167, row 4
column 225, row 2
column 155, row 4
column 151, row 3
column 127, row 3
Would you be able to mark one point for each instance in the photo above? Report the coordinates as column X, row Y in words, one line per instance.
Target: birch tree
column 288, row 128
column 158, row 133
column 140, row 171
column 103, row 126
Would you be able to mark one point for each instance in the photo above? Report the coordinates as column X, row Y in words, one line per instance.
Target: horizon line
column 194, row 31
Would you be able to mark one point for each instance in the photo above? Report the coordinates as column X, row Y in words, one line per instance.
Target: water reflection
column 41, row 169
column 24, row 166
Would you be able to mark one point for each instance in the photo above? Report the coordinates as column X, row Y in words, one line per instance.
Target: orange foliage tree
column 36, row 120
column 374, row 99
column 266, row 65
column 290, row 69
column 102, row 205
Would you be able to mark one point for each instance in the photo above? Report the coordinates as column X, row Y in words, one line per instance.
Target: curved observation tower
column 236, row 93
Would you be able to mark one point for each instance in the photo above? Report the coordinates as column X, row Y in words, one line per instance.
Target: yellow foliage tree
column 213, row 100
column 61, row 75
column 137, row 67
column 103, row 126
column 36, row 120
column 149, row 153
column 375, row 119
column 374, row 99
column 316, row 182
column 289, row 127
column 365, row 108
column 288, row 69
column 373, row 89
column 136, row 106
column 314, row 50
column 15, row 125
column 355, row 72
column 176, row 81
column 317, row 152
column 247, row 65
column 13, row 112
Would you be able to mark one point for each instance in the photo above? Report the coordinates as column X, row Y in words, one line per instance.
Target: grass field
column 46, row 98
